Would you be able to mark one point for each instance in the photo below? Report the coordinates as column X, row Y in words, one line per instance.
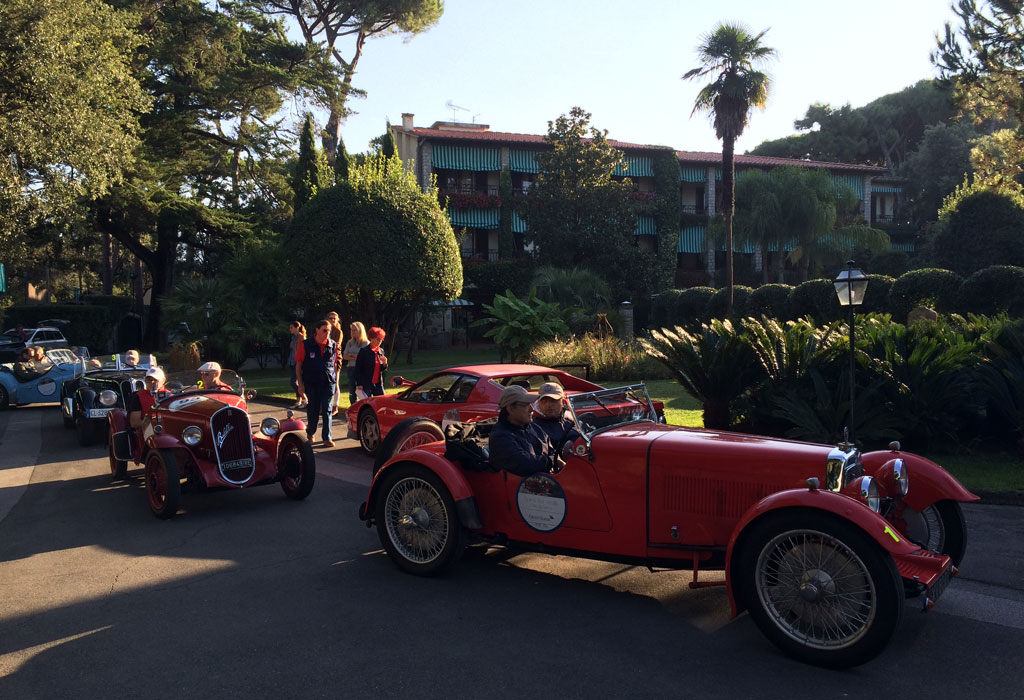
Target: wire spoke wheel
column 817, row 589
column 939, row 528
column 417, row 521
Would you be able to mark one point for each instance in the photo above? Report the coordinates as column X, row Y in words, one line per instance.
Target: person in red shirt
column 371, row 362
column 316, row 365
column 142, row 402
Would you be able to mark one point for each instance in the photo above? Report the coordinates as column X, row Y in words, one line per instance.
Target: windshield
column 595, row 411
column 122, row 362
column 193, row 381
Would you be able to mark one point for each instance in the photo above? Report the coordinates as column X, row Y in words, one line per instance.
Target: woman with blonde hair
column 357, row 342
column 298, row 333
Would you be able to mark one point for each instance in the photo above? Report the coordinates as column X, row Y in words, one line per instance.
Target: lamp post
column 851, row 285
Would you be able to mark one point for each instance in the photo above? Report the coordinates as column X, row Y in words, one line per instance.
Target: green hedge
column 740, row 302
column 692, row 306
column 88, row 325
column 937, row 289
column 816, row 299
column 876, row 299
column 771, row 300
column 994, row 290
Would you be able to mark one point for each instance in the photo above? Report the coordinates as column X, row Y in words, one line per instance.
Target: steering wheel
column 586, row 425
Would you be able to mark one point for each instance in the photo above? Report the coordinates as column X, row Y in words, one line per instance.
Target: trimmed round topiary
column 771, row 300
column 816, row 299
column 692, row 306
column 876, row 299
column 740, row 302
column 994, row 290
column 931, row 287
column 663, row 308
column 890, row 262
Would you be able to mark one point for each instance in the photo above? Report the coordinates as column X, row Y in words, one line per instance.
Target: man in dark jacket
column 552, row 419
column 515, row 444
column 315, row 378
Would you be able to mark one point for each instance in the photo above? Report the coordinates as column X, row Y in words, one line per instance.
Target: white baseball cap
column 156, row 372
column 209, row 367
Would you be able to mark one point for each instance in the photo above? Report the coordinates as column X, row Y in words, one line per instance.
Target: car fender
column 86, row 399
column 457, row 485
column 847, row 508
column 929, row 482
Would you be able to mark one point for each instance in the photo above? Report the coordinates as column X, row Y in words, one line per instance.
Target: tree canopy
column 980, row 224
column 69, row 109
column 375, row 243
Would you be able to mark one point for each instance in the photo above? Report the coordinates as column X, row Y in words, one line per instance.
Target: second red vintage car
column 199, row 438
column 822, row 545
column 466, row 394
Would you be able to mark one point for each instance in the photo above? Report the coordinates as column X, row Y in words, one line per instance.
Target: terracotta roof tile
column 704, row 157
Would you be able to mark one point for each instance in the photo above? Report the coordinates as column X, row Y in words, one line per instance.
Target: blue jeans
column 351, row 372
column 319, row 407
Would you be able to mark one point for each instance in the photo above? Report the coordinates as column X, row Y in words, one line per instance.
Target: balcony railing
column 883, row 218
column 480, row 256
column 489, row 190
column 692, row 209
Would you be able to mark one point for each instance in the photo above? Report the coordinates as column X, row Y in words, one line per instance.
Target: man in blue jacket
column 315, row 378
column 515, row 444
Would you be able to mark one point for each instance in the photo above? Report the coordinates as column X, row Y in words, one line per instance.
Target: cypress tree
column 312, row 171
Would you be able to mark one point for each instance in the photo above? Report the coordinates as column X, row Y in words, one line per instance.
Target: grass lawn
column 995, row 471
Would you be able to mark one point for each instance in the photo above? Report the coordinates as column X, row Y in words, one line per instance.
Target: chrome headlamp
column 107, row 398
column 192, row 435
column 270, row 426
column 868, row 493
column 895, row 477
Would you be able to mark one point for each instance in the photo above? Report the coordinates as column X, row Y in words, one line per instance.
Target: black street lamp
column 851, row 284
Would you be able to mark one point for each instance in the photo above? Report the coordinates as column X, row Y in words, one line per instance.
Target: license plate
column 237, row 464
column 99, row 412
column 940, row 583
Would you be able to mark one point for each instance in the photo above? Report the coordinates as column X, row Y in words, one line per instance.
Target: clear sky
column 516, row 64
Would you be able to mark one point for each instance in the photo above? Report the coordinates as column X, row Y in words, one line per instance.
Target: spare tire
column 412, row 432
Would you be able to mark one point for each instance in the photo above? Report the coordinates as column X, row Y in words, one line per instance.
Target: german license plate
column 237, row 464
column 99, row 412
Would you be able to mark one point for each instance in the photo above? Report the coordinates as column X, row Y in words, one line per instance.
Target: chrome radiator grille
column 232, row 443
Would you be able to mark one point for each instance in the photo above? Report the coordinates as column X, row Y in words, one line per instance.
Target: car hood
column 198, row 406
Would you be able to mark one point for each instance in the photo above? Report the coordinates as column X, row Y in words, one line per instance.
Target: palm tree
column 729, row 55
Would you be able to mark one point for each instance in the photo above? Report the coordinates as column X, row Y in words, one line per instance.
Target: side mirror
column 250, row 394
column 397, row 381
column 175, row 387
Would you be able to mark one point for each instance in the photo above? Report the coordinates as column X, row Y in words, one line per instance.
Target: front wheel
column 163, row 483
column 297, row 466
column 820, row 589
column 416, row 521
column 410, row 433
column 369, row 431
column 939, row 528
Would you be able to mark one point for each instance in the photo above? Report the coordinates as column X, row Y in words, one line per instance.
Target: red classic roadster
column 822, row 545
column 199, row 438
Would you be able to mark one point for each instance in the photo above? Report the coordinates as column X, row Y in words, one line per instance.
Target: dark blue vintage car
column 86, row 400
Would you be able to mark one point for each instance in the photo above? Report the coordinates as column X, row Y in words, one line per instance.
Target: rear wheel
column 410, row 433
column 163, row 483
column 297, row 466
column 118, row 467
column 416, row 521
column 369, row 431
column 939, row 528
column 820, row 589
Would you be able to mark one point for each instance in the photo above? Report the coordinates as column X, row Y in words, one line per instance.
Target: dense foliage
column 518, row 325
column 980, row 224
column 399, row 243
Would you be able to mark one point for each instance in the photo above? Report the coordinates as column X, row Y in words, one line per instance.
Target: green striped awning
column 518, row 225
column 895, row 189
column 692, row 174
column 691, row 240
column 639, row 166
column 906, row 247
column 523, row 161
column 452, row 157
column 645, row 226
column 475, row 218
column 854, row 182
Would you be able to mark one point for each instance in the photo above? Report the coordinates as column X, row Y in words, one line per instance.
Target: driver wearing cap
column 209, row 377
column 141, row 402
column 552, row 419
column 515, row 444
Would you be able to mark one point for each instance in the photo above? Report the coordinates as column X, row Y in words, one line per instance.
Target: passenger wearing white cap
column 140, row 403
column 552, row 419
column 209, row 377
column 515, row 444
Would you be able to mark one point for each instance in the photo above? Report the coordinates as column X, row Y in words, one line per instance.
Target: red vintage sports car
column 466, row 394
column 822, row 545
column 200, row 438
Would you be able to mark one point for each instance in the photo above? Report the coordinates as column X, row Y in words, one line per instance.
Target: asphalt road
column 247, row 594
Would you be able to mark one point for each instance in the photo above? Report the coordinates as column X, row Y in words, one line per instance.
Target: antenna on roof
column 453, row 108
